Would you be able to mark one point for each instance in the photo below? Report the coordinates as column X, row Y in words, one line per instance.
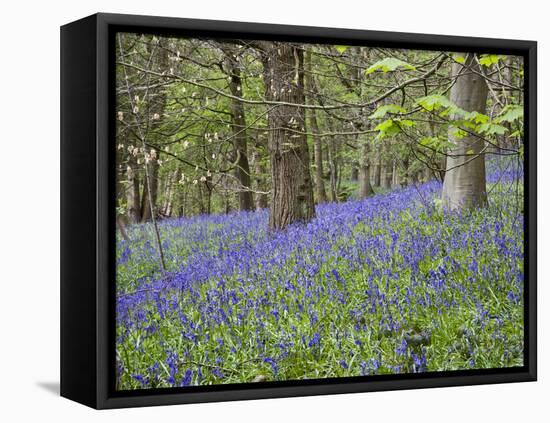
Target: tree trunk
column 377, row 169
column 464, row 183
column 122, row 227
column 291, row 191
column 365, row 187
column 156, row 103
column 242, row 170
column 409, row 178
column 153, row 179
column 427, row 174
column 333, row 170
column 354, row 173
column 132, row 192
column 311, row 88
column 395, row 174
column 260, row 200
column 387, row 175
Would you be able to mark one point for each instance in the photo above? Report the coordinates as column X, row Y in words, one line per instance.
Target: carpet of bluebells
column 390, row 284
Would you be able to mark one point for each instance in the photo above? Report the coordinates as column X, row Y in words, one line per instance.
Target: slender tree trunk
column 260, row 200
column 209, row 188
column 292, row 191
column 156, row 105
column 394, row 174
column 242, row 171
column 202, row 206
column 171, row 182
column 311, row 88
column 387, row 177
column 354, row 173
column 385, row 181
column 464, row 184
column 146, row 207
column 121, row 225
column 377, row 169
column 427, row 174
column 410, row 177
column 132, row 192
column 333, row 170
column 365, row 187
column 185, row 202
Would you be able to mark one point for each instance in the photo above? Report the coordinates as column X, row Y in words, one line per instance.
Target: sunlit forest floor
column 390, row 284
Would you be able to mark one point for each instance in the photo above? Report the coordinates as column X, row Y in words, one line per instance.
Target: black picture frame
column 87, row 210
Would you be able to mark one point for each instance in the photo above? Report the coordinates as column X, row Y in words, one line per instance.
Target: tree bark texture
column 292, row 190
column 242, row 170
column 464, row 183
column 365, row 187
column 317, row 146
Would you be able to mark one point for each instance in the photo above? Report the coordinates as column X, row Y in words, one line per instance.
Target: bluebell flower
column 402, row 348
column 273, row 365
column 187, row 378
column 315, row 341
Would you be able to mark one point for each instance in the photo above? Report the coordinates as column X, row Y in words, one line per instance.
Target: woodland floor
column 390, row 284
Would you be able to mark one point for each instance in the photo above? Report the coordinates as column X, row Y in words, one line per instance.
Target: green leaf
column 389, row 64
column 458, row 133
column 476, row 117
column 407, row 122
column 459, row 58
column 492, row 129
column 384, row 110
column 388, row 128
column 465, row 124
column 434, row 102
column 341, row 49
column 384, row 126
column 429, row 141
column 510, row 114
column 488, row 60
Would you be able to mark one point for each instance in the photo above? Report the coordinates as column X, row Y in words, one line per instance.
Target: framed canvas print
column 254, row 211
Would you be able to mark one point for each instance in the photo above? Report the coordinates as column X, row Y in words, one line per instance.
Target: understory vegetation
column 389, row 284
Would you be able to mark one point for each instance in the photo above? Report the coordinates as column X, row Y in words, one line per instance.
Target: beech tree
column 464, row 185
